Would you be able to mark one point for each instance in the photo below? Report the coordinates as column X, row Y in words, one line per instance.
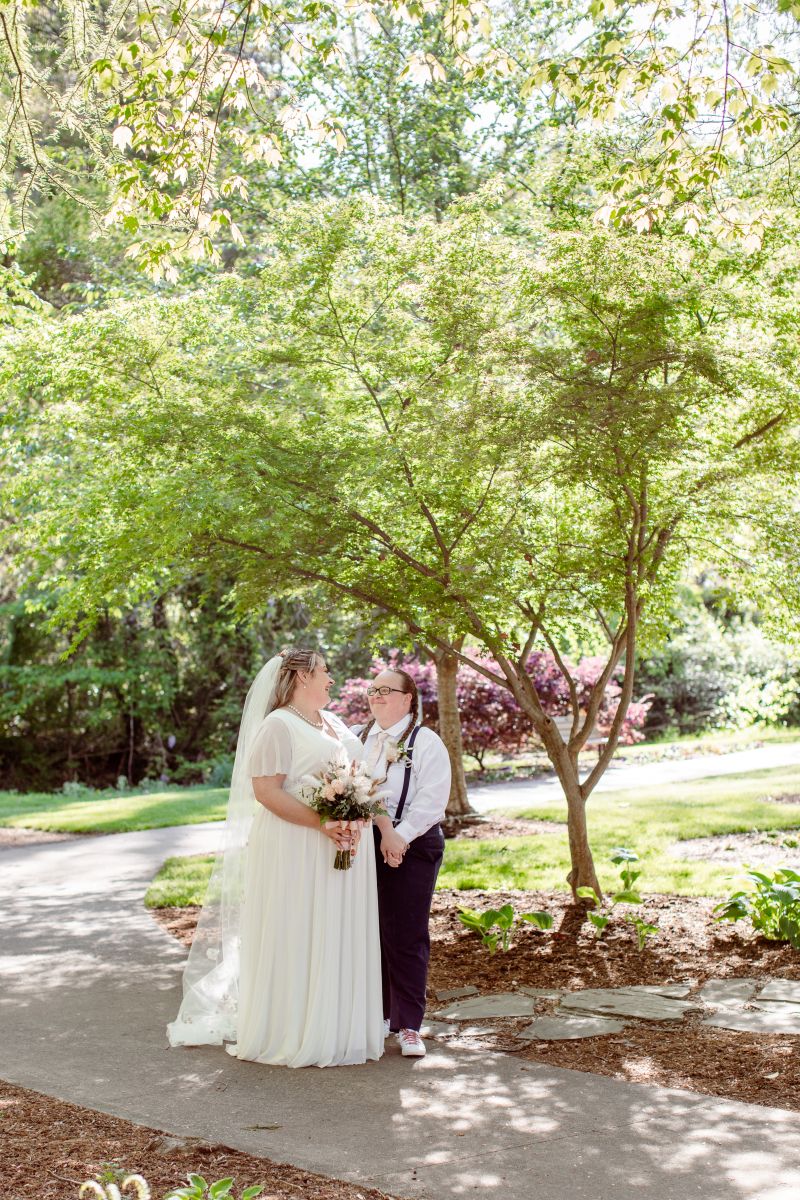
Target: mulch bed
column 780, row 850
column 48, row 1148
column 10, row 836
column 760, row 1068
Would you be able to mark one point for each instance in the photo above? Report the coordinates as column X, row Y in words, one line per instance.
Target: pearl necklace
column 303, row 717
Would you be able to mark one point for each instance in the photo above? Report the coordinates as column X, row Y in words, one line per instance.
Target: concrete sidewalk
column 89, row 981
column 619, row 777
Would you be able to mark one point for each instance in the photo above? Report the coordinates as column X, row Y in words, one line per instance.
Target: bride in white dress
column 286, row 959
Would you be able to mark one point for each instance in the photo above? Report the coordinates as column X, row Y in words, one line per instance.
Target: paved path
column 89, row 981
column 622, row 777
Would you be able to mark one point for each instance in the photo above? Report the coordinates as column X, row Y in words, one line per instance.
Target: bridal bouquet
column 345, row 793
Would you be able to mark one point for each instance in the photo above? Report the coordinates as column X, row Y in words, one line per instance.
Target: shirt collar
column 393, row 731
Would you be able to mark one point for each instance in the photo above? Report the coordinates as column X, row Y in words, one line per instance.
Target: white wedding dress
column 310, row 969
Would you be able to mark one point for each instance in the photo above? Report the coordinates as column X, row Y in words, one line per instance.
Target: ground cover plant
column 771, row 903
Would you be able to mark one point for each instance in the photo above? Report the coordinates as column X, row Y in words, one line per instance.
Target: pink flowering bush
column 352, row 706
column 491, row 719
column 587, row 673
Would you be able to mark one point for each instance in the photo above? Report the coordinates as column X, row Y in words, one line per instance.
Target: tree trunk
column 582, row 869
column 458, row 805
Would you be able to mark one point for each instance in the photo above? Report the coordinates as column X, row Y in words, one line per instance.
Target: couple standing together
column 295, row 963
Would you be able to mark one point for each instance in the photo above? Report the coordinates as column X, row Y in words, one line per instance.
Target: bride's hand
column 338, row 832
column 356, row 828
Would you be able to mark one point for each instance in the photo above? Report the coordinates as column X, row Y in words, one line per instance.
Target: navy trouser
column 404, row 908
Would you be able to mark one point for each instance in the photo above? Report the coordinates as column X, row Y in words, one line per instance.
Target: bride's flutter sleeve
column 272, row 749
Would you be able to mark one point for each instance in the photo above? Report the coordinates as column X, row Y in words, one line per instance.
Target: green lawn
column 649, row 822
column 180, row 882
column 120, row 812
column 109, row 812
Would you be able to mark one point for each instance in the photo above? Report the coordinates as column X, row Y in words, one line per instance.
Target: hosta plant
column 494, row 926
column 603, row 912
column 196, row 1188
column 771, row 904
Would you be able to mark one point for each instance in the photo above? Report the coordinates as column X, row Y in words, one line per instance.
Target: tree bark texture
column 447, row 665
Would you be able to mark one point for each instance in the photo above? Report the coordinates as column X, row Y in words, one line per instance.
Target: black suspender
column 406, row 774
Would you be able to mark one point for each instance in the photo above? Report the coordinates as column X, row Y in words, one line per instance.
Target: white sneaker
column 411, row 1044
column 386, row 1029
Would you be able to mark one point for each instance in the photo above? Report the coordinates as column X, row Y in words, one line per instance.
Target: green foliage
column 155, row 692
column 484, row 923
column 198, row 1189
column 771, row 905
column 503, row 920
column 643, row 929
column 717, row 666
column 167, row 141
column 539, row 920
column 603, row 912
column 577, row 386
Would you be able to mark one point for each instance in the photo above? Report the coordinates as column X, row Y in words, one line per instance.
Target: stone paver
column 500, row 1004
column 625, row 1002
column 775, row 1019
column 674, row 991
column 787, row 990
column 436, row 1029
column 565, row 1029
column 455, row 993
column 728, row 992
column 543, row 993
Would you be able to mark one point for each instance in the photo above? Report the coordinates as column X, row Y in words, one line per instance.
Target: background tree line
column 601, row 378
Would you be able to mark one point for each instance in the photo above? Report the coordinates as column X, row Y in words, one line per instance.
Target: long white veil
column 211, row 976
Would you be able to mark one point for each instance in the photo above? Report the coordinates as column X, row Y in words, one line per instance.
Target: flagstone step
column 627, row 1002
column 558, row 1029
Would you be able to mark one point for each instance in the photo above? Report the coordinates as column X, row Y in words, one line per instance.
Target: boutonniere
column 398, row 753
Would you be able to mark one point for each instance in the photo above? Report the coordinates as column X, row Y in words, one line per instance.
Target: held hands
column 393, row 847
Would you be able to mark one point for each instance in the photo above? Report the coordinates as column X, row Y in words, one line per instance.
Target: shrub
column 772, row 905
column 491, row 719
column 723, row 671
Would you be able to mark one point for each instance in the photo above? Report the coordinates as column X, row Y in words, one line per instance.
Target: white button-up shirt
column 429, row 785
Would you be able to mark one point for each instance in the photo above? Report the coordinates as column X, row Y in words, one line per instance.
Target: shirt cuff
column 407, row 831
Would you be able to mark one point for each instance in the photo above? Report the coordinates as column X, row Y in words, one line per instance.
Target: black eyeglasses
column 383, row 691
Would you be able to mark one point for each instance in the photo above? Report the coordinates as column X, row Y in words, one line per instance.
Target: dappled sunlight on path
column 90, row 980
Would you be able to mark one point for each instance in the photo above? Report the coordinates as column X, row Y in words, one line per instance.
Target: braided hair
column 410, row 689
column 294, row 660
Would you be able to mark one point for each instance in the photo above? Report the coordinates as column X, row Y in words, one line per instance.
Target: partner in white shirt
column 409, row 846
